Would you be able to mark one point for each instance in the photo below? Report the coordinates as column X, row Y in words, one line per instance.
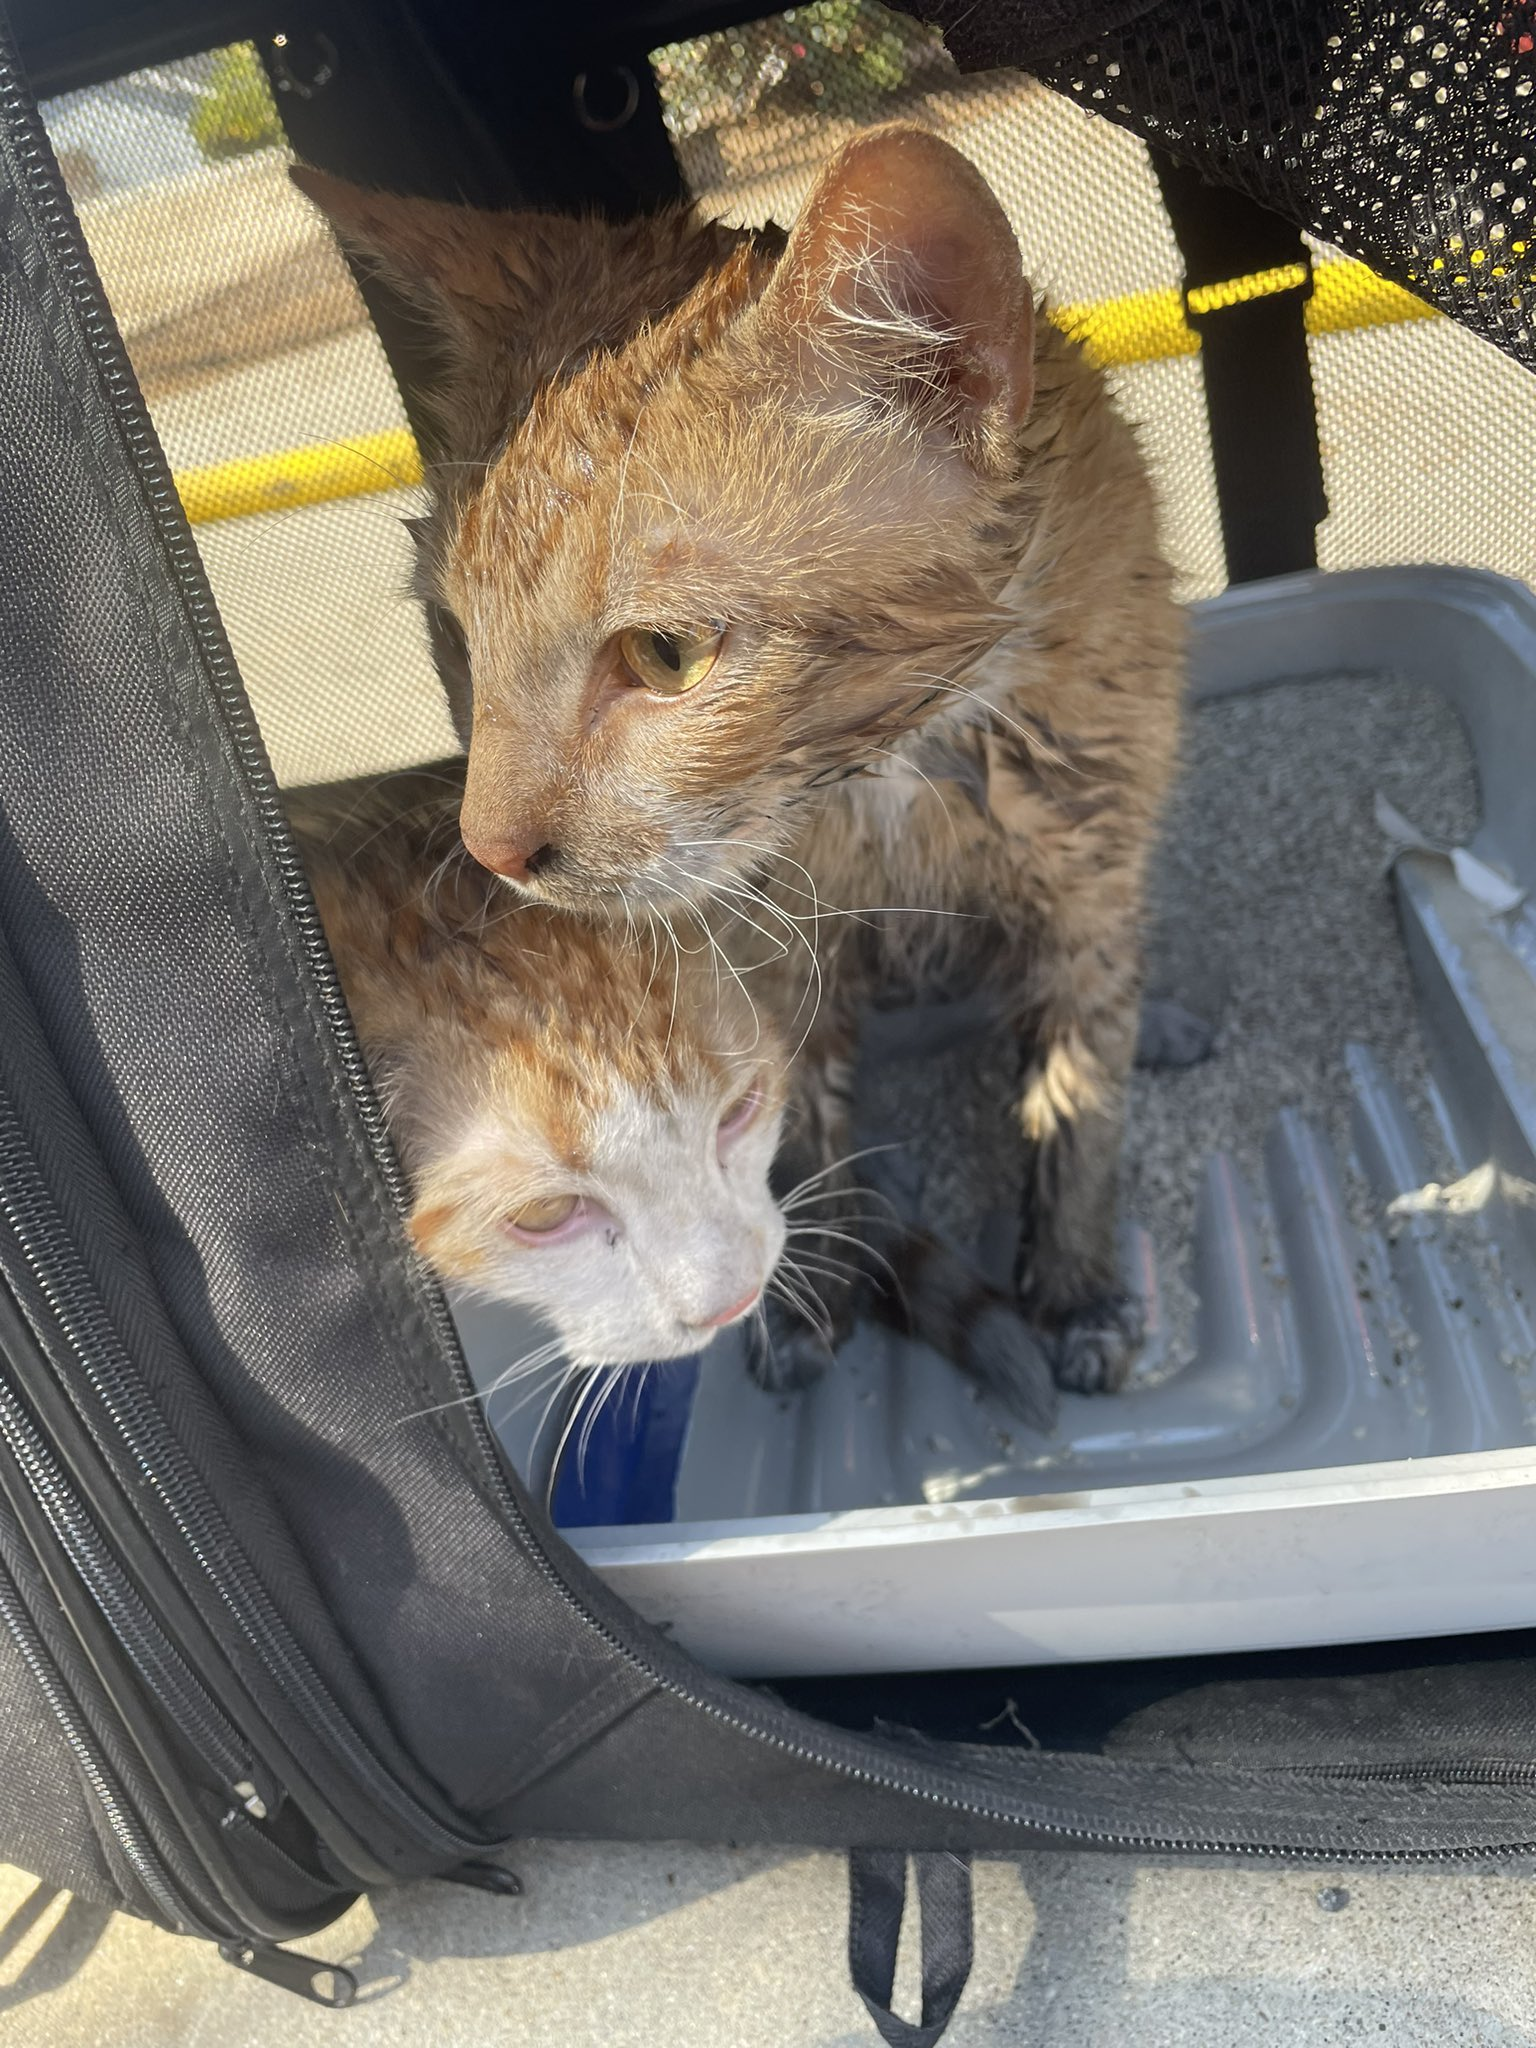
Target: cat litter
column 1325, row 1436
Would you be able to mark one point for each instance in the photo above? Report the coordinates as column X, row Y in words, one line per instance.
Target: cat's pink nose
column 509, row 857
column 729, row 1315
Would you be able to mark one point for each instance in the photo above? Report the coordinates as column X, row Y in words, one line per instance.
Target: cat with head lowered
column 587, row 1120
column 817, row 569
column 582, row 1133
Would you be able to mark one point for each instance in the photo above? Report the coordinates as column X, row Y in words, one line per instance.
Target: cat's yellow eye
column 670, row 664
column 547, row 1213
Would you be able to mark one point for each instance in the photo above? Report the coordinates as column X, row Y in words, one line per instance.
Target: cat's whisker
column 487, row 923
column 562, row 1381
column 638, row 1377
column 808, row 1302
column 432, row 888
column 530, row 1362
column 629, row 915
column 860, row 914
column 859, row 1192
column 913, row 769
column 683, row 902
column 397, row 818
column 563, row 1370
column 820, row 909
column 782, row 951
column 756, row 846
column 650, row 925
column 839, row 1271
column 730, row 967
column 786, row 1293
column 791, row 1266
column 814, row 1226
column 733, row 893
column 709, row 939
column 371, row 790
column 677, row 979
column 859, row 1245
column 586, row 1379
column 738, row 891
column 1033, row 740
column 834, row 1165
column 613, row 1377
column 719, row 951
column 404, row 483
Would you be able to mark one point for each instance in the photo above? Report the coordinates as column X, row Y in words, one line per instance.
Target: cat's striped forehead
column 567, row 456
column 566, row 1019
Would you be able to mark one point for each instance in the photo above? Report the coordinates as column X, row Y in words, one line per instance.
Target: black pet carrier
column 282, row 1623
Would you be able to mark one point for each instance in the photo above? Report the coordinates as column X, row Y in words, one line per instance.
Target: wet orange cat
column 825, row 550
column 588, row 1122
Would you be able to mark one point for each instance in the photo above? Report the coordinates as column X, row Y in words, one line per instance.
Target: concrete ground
column 713, row 1948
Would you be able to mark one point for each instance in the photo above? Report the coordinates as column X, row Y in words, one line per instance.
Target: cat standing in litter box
column 817, row 569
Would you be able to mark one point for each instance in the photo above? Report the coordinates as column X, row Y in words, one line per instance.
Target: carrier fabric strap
column 877, row 1900
column 1256, row 370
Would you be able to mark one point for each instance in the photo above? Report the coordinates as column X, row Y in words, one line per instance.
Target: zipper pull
column 321, row 1983
column 245, row 1791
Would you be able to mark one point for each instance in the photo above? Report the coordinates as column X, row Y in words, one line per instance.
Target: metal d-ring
column 605, row 124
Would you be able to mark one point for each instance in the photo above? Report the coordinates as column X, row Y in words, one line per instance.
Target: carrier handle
column 877, row 1900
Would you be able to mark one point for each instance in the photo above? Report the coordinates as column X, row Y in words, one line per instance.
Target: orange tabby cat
column 583, row 1133
column 588, row 1120
column 824, row 551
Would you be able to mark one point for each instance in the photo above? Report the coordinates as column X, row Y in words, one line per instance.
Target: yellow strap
column 300, row 476
column 1142, row 327
column 1147, row 327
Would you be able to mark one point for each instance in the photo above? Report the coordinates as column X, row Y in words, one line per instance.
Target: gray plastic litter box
column 1348, row 1454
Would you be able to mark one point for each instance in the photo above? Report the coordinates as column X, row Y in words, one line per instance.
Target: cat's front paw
column 784, row 1356
column 1093, row 1349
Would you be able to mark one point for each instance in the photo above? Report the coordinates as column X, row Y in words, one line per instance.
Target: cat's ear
column 456, row 260
column 902, row 259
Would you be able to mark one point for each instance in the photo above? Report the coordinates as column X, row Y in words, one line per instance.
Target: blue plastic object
column 624, row 1469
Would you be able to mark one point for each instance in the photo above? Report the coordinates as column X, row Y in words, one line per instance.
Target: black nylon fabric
column 877, row 1899
column 971, row 1797
column 248, row 1224
column 49, row 1823
column 1406, row 135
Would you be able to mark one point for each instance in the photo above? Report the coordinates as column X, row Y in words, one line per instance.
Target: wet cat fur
column 952, row 674
column 521, row 1051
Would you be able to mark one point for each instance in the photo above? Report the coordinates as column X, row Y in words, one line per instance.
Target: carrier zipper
column 103, row 1682
column 293, row 1972
column 160, row 491
column 86, row 1330
column 138, row 1852
column 158, row 1664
